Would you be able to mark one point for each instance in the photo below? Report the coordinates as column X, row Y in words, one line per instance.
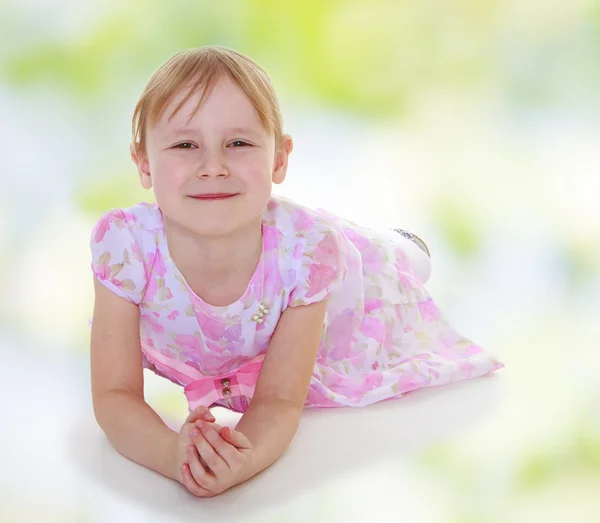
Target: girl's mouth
column 213, row 196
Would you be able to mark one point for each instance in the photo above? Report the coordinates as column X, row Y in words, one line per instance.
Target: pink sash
column 201, row 389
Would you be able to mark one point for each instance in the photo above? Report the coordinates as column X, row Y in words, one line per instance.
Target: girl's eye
column 185, row 145
column 240, row 142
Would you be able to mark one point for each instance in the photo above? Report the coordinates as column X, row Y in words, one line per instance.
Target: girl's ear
column 143, row 166
column 281, row 159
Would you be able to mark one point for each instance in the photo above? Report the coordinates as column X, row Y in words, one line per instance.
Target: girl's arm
column 273, row 416
column 131, row 425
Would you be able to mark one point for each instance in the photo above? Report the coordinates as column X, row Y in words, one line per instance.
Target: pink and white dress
column 383, row 335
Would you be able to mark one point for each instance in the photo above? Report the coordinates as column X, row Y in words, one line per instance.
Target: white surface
column 343, row 465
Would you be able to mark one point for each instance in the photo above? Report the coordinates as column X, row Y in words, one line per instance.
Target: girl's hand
column 224, row 450
column 184, row 440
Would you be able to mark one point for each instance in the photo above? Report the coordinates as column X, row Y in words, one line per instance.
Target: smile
column 213, row 196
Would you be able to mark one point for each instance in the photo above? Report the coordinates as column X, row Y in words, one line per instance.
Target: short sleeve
column 322, row 267
column 116, row 256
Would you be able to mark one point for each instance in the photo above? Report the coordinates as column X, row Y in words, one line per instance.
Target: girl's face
column 212, row 172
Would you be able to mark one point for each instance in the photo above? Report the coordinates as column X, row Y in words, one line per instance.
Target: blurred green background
column 476, row 124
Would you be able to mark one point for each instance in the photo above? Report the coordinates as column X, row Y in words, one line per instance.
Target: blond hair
column 201, row 68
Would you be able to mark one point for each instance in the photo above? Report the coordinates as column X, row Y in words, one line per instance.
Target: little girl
column 247, row 300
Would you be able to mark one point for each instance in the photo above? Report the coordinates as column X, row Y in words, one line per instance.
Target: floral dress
column 382, row 337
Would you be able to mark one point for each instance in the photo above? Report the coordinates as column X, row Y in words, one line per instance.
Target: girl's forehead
column 225, row 102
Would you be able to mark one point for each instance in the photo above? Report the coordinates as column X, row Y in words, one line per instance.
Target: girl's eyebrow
column 243, row 130
column 187, row 131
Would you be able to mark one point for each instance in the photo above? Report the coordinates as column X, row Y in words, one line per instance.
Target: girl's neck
column 216, row 265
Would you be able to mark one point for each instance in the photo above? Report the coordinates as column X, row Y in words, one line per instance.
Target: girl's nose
column 214, row 174
column 212, row 165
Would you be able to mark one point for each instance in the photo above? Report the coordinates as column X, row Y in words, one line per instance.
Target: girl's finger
column 210, row 448
column 236, row 438
column 216, row 426
column 187, row 429
column 231, row 457
column 201, row 412
column 203, row 478
column 190, row 483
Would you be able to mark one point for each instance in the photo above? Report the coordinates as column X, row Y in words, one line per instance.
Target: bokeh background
column 473, row 123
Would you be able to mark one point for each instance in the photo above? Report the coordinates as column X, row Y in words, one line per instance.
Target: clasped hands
column 209, row 457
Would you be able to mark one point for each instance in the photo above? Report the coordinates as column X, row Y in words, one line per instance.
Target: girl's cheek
column 170, row 171
column 253, row 171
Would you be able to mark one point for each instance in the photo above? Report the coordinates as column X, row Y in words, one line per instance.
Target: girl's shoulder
column 294, row 220
column 313, row 236
column 136, row 221
column 318, row 252
column 121, row 243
